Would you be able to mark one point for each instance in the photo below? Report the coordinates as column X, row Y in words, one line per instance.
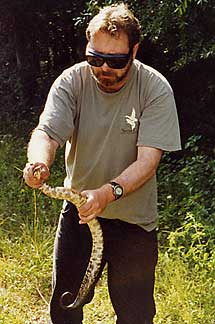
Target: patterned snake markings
column 97, row 244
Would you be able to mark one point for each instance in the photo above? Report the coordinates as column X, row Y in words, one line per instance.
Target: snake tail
column 97, row 246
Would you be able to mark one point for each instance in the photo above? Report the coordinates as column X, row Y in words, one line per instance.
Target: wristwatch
column 117, row 189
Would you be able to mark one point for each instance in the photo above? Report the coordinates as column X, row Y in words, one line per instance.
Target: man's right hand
column 35, row 174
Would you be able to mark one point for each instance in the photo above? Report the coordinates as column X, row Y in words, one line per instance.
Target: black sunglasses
column 114, row 61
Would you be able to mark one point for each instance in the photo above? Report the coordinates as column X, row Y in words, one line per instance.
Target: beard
column 108, row 80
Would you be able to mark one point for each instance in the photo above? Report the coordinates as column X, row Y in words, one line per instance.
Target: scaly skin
column 97, row 243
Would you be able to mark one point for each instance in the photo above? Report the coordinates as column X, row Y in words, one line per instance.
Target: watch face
column 118, row 191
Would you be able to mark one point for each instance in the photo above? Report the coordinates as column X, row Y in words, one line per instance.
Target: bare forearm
column 41, row 155
column 140, row 171
column 137, row 174
column 41, row 148
column 130, row 179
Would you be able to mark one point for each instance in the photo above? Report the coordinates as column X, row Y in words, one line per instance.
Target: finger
column 29, row 175
column 41, row 171
column 37, row 170
column 28, row 168
column 32, row 182
column 85, row 210
column 86, row 220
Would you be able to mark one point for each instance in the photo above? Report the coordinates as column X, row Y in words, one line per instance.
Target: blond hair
column 113, row 20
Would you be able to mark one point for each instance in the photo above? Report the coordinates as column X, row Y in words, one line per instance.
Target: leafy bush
column 187, row 201
column 186, row 263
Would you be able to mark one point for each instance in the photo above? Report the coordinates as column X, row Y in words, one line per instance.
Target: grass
column 184, row 291
column 182, row 294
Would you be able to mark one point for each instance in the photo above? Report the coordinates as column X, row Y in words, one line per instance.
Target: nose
column 105, row 67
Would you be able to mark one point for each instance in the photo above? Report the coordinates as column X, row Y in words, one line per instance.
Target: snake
column 95, row 260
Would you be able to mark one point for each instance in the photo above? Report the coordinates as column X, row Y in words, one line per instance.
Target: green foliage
column 22, row 201
column 183, row 294
column 187, row 235
column 175, row 33
column 187, row 207
column 184, row 290
column 181, row 32
column 183, row 6
column 177, row 37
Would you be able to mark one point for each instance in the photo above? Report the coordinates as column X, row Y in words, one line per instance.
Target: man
column 116, row 116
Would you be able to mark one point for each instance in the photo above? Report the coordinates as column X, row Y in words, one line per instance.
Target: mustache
column 107, row 73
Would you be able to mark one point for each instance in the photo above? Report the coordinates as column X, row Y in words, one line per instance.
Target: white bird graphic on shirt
column 131, row 120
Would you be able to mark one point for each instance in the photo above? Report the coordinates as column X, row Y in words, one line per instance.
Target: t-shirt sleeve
column 58, row 116
column 159, row 126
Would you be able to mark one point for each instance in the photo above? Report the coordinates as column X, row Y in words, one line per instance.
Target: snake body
column 97, row 245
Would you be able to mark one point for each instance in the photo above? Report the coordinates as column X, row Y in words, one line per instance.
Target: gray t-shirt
column 103, row 130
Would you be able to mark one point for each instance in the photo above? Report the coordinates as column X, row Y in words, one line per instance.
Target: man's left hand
column 97, row 201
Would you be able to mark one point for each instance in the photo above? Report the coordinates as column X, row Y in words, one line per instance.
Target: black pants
column 130, row 253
